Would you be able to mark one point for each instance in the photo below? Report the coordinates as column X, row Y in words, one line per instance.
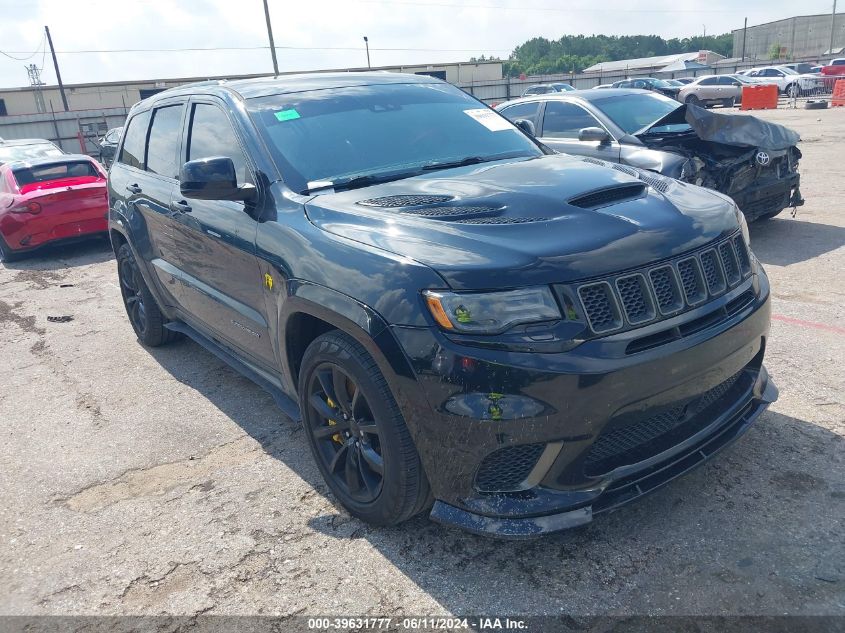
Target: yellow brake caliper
column 336, row 437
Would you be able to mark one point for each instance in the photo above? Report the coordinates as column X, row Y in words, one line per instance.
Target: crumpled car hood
column 740, row 130
column 515, row 223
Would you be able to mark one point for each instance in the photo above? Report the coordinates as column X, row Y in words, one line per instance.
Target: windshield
column 660, row 83
column 28, row 152
column 633, row 112
column 322, row 137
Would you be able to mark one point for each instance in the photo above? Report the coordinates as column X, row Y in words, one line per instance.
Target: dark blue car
column 465, row 322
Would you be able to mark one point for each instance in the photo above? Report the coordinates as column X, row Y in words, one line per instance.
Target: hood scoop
column 394, row 202
column 450, row 213
column 608, row 196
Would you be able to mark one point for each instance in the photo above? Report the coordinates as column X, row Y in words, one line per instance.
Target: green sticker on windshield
column 287, row 115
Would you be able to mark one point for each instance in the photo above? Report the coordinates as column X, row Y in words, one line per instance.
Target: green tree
column 574, row 53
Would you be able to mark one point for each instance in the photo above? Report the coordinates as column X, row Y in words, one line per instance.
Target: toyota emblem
column 762, row 159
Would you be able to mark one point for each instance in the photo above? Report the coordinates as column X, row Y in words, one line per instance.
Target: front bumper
column 475, row 402
column 768, row 196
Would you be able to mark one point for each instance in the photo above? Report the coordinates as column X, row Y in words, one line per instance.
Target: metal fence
column 76, row 132
column 493, row 92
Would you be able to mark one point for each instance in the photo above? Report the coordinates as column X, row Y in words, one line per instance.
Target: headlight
column 743, row 224
column 491, row 312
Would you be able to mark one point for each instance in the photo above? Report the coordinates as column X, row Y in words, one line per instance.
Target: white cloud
column 403, row 24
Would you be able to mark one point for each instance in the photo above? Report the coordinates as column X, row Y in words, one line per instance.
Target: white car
column 788, row 81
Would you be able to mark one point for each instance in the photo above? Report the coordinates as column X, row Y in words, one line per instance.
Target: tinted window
column 565, row 120
column 380, row 130
column 58, row 171
column 727, row 81
column 132, row 153
column 163, row 146
column 211, row 134
column 526, row 111
column 708, row 81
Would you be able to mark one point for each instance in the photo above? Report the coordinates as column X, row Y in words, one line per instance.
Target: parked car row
column 467, row 323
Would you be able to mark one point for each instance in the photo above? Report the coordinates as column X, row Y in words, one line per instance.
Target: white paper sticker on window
column 490, row 119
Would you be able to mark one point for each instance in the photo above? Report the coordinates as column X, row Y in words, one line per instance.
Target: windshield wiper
column 363, row 180
column 471, row 160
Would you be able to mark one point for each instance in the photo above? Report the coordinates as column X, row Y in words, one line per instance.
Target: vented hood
column 530, row 221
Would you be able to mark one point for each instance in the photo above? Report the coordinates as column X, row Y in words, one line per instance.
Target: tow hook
column 796, row 201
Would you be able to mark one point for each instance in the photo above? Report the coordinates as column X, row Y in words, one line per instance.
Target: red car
column 50, row 199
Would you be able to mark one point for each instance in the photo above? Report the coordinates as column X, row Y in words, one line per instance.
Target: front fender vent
column 608, row 196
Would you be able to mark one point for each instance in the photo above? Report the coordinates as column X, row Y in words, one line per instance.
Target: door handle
column 180, row 207
column 133, row 188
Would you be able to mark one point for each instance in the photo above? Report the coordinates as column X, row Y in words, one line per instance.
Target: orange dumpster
column 838, row 98
column 759, row 97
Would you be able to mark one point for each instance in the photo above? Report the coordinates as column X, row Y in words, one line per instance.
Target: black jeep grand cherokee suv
column 458, row 316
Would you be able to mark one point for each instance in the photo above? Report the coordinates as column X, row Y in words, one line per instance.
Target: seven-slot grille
column 666, row 289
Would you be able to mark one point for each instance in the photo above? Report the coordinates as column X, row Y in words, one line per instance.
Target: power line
column 495, row 7
column 264, row 48
column 29, row 55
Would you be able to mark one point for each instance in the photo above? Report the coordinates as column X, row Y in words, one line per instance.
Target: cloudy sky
column 316, row 34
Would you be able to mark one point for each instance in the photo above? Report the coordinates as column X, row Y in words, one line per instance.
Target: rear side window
column 132, row 153
column 164, row 142
column 709, row 81
column 45, row 173
column 211, row 134
column 527, row 111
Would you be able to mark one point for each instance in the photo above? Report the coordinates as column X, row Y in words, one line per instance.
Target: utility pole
column 35, row 81
column 705, row 30
column 744, row 37
column 56, row 66
column 832, row 27
column 367, row 44
column 270, row 35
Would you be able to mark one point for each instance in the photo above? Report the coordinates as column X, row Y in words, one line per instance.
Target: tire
column 728, row 103
column 7, row 254
column 816, row 104
column 793, row 91
column 141, row 308
column 340, row 387
column 692, row 100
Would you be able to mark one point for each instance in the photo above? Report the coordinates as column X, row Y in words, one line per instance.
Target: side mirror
column 212, row 178
column 593, row 134
column 526, row 126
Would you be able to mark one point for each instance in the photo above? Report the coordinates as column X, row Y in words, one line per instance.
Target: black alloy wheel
column 130, row 289
column 357, row 432
column 345, row 432
column 144, row 314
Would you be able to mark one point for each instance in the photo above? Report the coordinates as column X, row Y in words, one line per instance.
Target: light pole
column 367, row 44
column 270, row 36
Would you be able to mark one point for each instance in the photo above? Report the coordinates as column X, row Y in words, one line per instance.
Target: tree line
column 574, row 53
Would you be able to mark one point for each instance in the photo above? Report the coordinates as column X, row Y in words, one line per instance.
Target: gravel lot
column 140, row 481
